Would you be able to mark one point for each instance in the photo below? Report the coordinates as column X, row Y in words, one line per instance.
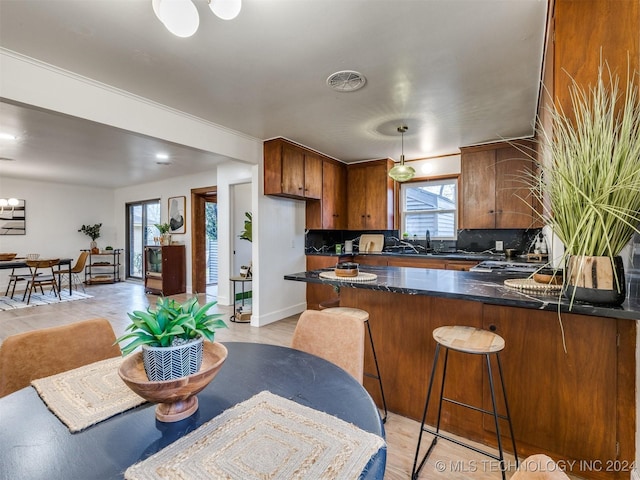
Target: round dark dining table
column 35, row 444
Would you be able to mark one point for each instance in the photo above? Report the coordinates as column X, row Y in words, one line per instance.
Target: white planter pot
column 166, row 363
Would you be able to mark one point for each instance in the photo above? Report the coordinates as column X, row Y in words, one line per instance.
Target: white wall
column 175, row 187
column 230, row 174
column 278, row 249
column 54, row 213
column 242, row 249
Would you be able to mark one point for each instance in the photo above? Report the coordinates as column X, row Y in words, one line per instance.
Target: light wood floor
column 114, row 301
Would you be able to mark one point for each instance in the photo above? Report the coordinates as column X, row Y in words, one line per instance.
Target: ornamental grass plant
column 589, row 186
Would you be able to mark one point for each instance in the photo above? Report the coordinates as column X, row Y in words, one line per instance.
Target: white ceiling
column 456, row 72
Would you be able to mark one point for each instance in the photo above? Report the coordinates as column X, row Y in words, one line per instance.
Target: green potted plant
column 247, row 233
column 165, row 236
column 93, row 231
column 589, row 185
column 171, row 336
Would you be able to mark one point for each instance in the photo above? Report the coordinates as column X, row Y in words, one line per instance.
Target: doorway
column 141, row 220
column 204, row 236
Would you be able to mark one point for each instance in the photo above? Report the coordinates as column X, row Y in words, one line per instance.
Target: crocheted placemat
column 265, row 437
column 361, row 277
column 87, row 395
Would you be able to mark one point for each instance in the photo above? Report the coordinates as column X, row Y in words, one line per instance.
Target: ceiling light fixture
column 181, row 16
column 7, row 136
column 225, row 9
column 402, row 172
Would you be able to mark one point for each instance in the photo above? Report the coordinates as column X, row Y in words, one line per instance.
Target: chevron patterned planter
column 166, row 363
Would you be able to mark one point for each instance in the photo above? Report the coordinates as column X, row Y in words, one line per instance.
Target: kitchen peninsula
column 575, row 405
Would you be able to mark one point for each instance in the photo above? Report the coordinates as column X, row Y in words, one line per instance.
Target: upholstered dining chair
column 539, row 467
column 40, row 277
column 335, row 337
column 77, row 268
column 41, row 353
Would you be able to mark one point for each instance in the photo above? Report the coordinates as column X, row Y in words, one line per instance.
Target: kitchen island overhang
column 577, row 405
column 482, row 287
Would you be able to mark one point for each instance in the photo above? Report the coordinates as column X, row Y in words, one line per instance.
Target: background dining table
column 37, row 445
column 22, row 263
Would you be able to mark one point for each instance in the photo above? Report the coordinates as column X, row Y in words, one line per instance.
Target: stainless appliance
column 497, row 266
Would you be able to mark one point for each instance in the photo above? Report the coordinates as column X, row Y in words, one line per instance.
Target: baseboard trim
column 635, row 475
column 262, row 320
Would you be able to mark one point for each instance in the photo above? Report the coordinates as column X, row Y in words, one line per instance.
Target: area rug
column 265, row 437
column 87, row 395
column 7, row 303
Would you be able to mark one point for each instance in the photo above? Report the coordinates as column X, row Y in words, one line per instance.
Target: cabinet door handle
column 493, row 328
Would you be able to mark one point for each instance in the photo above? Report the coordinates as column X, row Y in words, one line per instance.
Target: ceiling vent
column 346, row 81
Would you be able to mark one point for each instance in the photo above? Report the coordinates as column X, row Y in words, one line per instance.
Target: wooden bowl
column 7, row 256
column 548, row 278
column 346, row 269
column 176, row 398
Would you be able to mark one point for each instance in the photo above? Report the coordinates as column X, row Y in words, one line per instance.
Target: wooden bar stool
column 364, row 316
column 474, row 341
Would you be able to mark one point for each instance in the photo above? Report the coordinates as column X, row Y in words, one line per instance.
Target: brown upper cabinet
column 370, row 193
column 494, row 192
column 291, row 170
column 330, row 213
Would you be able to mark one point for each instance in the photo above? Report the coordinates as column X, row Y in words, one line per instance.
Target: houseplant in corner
column 589, row 185
column 171, row 337
column 92, row 231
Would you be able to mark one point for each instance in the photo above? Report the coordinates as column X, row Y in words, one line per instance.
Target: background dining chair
column 39, row 277
column 41, row 353
column 14, row 278
column 335, row 337
column 75, row 270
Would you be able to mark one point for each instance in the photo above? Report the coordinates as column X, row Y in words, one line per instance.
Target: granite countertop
column 476, row 286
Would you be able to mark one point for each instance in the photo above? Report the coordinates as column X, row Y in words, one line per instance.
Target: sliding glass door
column 141, row 220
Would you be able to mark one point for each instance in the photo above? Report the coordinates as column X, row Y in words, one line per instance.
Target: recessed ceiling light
column 162, row 156
column 7, row 136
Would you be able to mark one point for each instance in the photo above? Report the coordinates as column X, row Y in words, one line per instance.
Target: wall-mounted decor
column 12, row 218
column 177, row 215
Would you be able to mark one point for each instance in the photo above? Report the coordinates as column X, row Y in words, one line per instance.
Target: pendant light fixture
column 402, row 172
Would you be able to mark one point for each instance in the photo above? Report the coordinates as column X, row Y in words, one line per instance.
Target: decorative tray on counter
column 361, row 277
column 531, row 284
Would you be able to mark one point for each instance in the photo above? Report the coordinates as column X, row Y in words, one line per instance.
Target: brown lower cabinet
column 577, row 405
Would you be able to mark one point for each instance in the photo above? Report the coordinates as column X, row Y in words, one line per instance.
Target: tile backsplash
column 468, row 240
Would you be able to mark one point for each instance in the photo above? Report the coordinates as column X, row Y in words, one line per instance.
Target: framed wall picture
column 177, row 215
column 13, row 218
